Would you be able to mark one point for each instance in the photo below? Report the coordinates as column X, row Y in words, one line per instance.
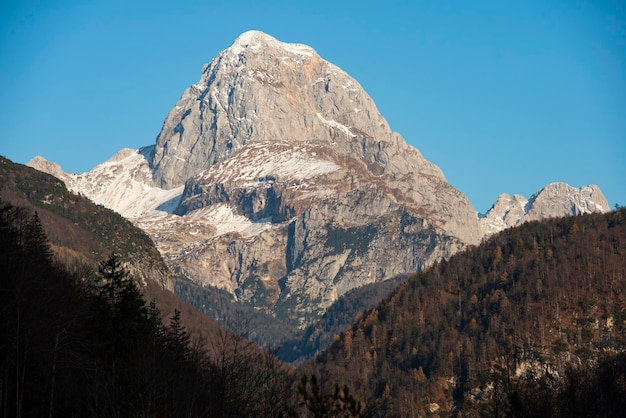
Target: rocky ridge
column 554, row 200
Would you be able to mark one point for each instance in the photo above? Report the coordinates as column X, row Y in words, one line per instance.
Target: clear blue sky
column 503, row 97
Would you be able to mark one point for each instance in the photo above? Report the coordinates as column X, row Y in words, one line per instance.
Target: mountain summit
column 297, row 187
column 276, row 179
column 261, row 89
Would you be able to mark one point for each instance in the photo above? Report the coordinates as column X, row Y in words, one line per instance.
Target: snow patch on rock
column 259, row 164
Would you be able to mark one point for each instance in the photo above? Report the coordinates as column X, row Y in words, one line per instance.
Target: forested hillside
column 76, row 346
column 530, row 308
column 77, row 337
column 80, row 232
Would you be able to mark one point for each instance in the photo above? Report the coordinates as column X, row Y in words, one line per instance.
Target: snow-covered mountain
column 123, row 183
column 275, row 178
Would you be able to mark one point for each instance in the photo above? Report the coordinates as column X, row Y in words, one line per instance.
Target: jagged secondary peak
column 40, row 163
column 553, row 200
column 559, row 199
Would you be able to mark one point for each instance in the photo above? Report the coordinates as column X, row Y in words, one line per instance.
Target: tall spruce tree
column 179, row 339
column 123, row 319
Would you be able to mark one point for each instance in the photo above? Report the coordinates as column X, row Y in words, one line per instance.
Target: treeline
column 91, row 346
column 542, row 298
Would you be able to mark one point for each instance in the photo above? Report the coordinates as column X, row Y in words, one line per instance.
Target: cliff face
column 297, row 267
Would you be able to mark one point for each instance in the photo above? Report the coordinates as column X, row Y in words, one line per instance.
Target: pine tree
column 36, row 241
column 123, row 318
column 178, row 338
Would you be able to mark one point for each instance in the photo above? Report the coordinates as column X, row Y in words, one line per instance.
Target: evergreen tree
column 123, row 318
column 178, row 339
column 36, row 241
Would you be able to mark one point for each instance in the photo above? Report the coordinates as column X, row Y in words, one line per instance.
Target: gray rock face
column 296, row 268
column 321, row 224
column 261, row 90
column 560, row 199
column 554, row 200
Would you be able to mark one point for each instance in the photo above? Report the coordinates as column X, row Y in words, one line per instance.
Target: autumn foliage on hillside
column 544, row 300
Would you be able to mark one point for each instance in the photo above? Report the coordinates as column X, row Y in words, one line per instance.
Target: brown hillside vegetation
column 530, row 323
column 531, row 304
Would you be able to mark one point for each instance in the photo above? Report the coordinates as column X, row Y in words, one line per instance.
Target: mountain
column 276, row 180
column 554, row 200
column 509, row 325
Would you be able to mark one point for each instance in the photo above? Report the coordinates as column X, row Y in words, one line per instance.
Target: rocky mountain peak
column 561, row 199
column 261, row 89
column 554, row 200
column 255, row 40
column 41, row 164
